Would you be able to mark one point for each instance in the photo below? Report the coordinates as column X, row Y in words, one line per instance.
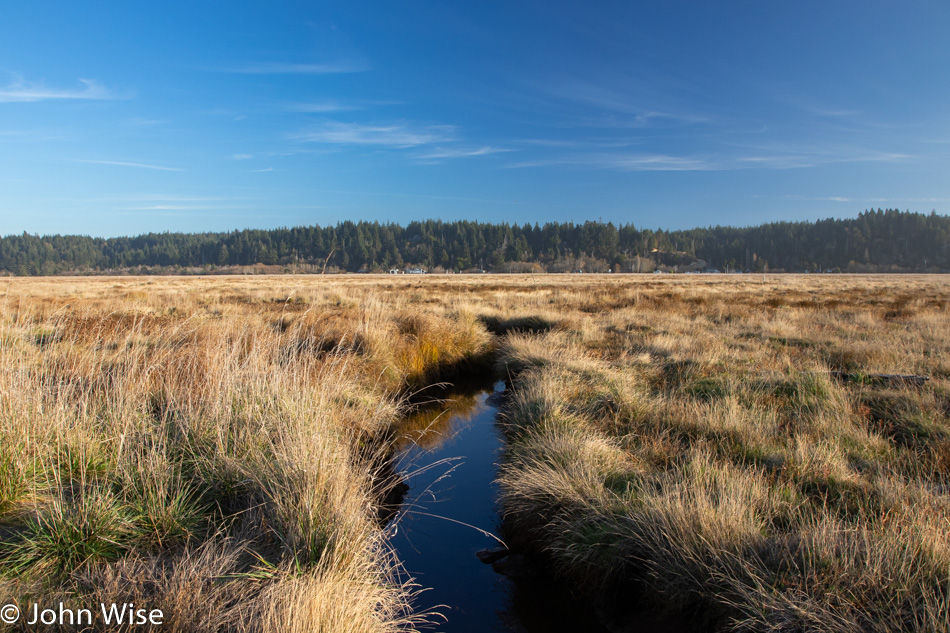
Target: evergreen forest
column 876, row 241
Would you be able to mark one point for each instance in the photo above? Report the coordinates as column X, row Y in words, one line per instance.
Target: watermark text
column 110, row 614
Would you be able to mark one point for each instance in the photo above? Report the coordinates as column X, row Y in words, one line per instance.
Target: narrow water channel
column 448, row 456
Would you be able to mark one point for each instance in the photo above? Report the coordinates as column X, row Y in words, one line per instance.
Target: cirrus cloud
column 290, row 68
column 458, row 152
column 392, row 135
column 21, row 91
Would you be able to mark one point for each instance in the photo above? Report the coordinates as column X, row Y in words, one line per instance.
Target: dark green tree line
column 877, row 240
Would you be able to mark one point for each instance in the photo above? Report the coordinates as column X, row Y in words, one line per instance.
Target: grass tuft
column 87, row 528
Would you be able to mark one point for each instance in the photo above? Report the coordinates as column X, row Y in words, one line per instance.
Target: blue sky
column 119, row 118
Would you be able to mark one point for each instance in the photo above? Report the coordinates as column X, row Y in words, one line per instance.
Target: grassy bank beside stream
column 207, row 448
column 693, row 437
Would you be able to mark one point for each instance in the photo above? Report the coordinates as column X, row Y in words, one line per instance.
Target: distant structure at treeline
column 875, row 241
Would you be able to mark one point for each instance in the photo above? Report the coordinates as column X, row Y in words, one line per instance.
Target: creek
column 448, row 456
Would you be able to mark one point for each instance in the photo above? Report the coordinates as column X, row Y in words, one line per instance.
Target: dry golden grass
column 210, row 446
column 209, row 449
column 690, row 434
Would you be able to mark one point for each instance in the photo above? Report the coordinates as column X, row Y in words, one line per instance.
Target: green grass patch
column 901, row 418
column 707, row 389
column 13, row 482
column 855, row 502
column 44, row 337
column 91, row 527
column 169, row 510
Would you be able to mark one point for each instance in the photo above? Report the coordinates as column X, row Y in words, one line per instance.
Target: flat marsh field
column 757, row 452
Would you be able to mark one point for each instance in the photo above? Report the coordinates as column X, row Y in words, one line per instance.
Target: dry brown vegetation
column 211, row 446
column 690, row 434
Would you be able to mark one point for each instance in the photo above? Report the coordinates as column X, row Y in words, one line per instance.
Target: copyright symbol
column 9, row 613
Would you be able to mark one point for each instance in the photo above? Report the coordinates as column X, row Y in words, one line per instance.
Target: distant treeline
column 875, row 241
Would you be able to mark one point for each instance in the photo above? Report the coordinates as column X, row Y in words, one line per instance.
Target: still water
column 448, row 456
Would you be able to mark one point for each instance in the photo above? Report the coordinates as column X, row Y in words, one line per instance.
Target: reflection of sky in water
column 450, row 469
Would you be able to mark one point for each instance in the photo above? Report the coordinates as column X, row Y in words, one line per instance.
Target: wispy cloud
column 392, row 194
column 160, row 197
column 797, row 155
column 158, row 201
column 866, row 200
column 588, row 144
column 176, row 202
column 21, row 91
column 121, row 163
column 821, row 198
column 242, row 156
column 442, row 152
column 731, row 159
column 394, row 135
column 321, row 107
column 31, row 136
column 143, row 122
column 626, row 162
column 637, row 120
column 833, row 113
column 640, row 106
column 290, row 68
column 180, row 207
column 325, row 106
column 811, row 105
column 658, row 162
column 775, row 161
column 908, row 200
